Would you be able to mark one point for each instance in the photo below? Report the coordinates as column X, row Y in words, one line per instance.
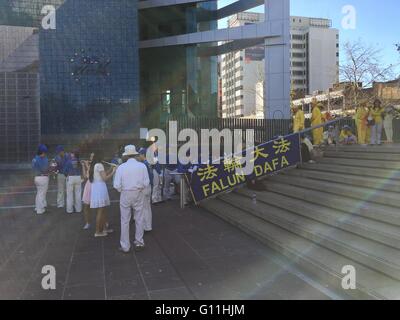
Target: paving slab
column 190, row 254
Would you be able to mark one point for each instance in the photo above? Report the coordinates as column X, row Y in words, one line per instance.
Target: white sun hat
column 130, row 150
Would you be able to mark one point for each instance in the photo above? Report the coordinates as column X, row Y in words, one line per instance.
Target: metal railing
column 264, row 129
column 337, row 123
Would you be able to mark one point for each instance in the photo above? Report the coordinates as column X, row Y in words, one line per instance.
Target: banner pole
column 182, row 192
column 301, row 156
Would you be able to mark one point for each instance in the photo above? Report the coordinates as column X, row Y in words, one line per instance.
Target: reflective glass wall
column 89, row 69
column 176, row 80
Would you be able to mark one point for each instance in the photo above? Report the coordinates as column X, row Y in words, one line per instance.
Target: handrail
column 322, row 125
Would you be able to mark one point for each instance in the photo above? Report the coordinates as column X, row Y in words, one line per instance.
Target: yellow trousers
column 362, row 134
column 318, row 136
column 368, row 135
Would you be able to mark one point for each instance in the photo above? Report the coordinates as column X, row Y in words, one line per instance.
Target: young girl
column 86, row 191
column 99, row 198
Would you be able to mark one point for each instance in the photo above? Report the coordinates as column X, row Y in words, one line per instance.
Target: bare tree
column 363, row 67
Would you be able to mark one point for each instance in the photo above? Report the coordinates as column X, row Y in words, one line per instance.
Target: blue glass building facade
column 94, row 77
column 89, row 68
column 176, row 80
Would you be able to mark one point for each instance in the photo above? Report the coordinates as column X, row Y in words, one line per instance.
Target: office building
column 314, row 61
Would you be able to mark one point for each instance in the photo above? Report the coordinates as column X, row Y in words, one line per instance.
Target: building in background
column 339, row 99
column 314, row 64
column 19, row 93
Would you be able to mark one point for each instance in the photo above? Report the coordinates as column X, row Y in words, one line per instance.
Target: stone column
column 277, row 60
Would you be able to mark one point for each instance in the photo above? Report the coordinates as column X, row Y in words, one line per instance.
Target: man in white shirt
column 131, row 180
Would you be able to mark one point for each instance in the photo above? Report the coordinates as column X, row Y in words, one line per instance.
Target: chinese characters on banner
column 211, row 179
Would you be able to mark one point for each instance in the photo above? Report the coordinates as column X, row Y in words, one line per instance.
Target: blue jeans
column 376, row 133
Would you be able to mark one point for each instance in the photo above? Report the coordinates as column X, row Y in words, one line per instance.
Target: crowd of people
column 142, row 184
column 139, row 183
column 370, row 121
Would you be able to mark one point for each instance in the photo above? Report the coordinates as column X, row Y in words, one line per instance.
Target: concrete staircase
column 344, row 210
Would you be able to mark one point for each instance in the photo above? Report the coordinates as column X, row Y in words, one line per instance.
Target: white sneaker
column 86, row 227
column 123, row 250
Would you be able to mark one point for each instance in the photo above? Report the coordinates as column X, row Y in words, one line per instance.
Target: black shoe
column 139, row 247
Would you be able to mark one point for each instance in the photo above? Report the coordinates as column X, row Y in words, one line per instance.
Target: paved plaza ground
column 190, row 254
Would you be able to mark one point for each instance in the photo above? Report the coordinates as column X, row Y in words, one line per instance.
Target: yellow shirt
column 361, row 116
column 377, row 115
column 316, row 116
column 298, row 121
column 344, row 134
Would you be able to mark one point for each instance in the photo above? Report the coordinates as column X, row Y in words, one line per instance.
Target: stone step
column 365, row 209
column 363, row 155
column 353, row 170
column 374, row 255
column 349, row 179
column 378, row 231
column 361, row 193
column 392, row 148
column 314, row 259
column 392, row 165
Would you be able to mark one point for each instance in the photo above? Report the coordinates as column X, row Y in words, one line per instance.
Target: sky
column 377, row 22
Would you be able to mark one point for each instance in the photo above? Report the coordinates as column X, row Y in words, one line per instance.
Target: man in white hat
column 131, row 180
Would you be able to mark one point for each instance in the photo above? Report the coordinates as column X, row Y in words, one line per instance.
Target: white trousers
column 60, row 191
column 376, row 133
column 147, row 213
column 157, row 187
column 74, row 194
column 42, row 185
column 131, row 200
column 388, row 125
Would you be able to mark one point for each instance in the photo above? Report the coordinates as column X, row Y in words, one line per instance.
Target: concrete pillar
column 277, row 60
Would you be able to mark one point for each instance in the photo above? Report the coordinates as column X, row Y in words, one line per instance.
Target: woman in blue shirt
column 40, row 167
column 73, row 170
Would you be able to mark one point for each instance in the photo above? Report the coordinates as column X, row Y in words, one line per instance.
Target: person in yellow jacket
column 362, row 123
column 375, row 119
column 317, row 119
column 298, row 119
